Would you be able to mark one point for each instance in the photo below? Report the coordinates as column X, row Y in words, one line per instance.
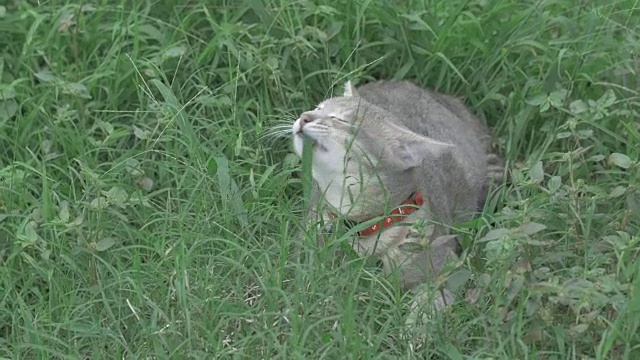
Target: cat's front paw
column 426, row 303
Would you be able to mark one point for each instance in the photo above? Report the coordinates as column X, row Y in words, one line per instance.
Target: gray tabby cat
column 396, row 152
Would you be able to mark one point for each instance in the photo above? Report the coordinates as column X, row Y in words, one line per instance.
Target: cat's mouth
column 315, row 144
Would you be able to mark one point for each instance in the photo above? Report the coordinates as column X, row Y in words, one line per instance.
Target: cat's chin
column 315, row 144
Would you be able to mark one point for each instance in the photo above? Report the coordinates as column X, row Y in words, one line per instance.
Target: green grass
column 149, row 201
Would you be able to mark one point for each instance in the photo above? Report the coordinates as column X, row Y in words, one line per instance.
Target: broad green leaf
column 607, row 99
column 558, row 96
column 8, row 109
column 139, row 133
column 634, row 205
column 620, row 160
column 584, row 134
column 537, row 100
column 117, row 195
column 617, row 192
column 175, row 51
column 28, row 236
column 132, row 166
column 554, row 183
column 63, row 214
column 46, row 76
column 578, row 329
column 531, row 228
column 494, row 234
column 105, row 244
column 99, row 203
column 536, row 172
column 578, row 107
column 7, row 92
column 76, row 89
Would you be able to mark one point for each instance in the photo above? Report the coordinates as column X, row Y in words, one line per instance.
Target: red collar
column 396, row 215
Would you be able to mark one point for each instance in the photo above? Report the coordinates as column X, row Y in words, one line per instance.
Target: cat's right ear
column 410, row 153
column 349, row 89
column 408, row 149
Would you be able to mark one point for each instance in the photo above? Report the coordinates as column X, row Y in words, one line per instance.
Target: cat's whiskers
column 276, row 132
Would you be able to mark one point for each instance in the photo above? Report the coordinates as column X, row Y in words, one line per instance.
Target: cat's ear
column 408, row 149
column 349, row 89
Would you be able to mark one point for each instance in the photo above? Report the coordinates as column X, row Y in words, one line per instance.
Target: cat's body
column 376, row 147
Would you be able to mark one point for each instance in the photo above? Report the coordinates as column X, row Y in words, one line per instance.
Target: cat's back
column 429, row 113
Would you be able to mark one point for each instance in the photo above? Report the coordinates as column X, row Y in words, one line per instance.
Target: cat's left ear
column 349, row 89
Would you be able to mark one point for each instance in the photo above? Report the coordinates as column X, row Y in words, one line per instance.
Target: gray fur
column 399, row 139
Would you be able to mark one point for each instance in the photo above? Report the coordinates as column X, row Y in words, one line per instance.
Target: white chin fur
column 296, row 127
column 330, row 174
column 297, row 139
column 297, row 144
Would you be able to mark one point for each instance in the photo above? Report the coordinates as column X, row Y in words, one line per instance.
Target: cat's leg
column 422, row 274
column 431, row 295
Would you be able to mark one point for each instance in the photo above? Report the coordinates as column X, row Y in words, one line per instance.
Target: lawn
column 150, row 200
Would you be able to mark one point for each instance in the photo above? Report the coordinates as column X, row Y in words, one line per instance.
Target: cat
column 393, row 151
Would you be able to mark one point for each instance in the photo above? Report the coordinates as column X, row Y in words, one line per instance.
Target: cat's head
column 360, row 149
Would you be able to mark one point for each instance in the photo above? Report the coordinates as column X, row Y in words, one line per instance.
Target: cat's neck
column 333, row 185
column 360, row 201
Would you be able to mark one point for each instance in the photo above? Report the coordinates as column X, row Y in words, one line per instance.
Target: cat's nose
column 305, row 119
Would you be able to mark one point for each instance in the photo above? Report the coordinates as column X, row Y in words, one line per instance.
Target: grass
column 149, row 209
